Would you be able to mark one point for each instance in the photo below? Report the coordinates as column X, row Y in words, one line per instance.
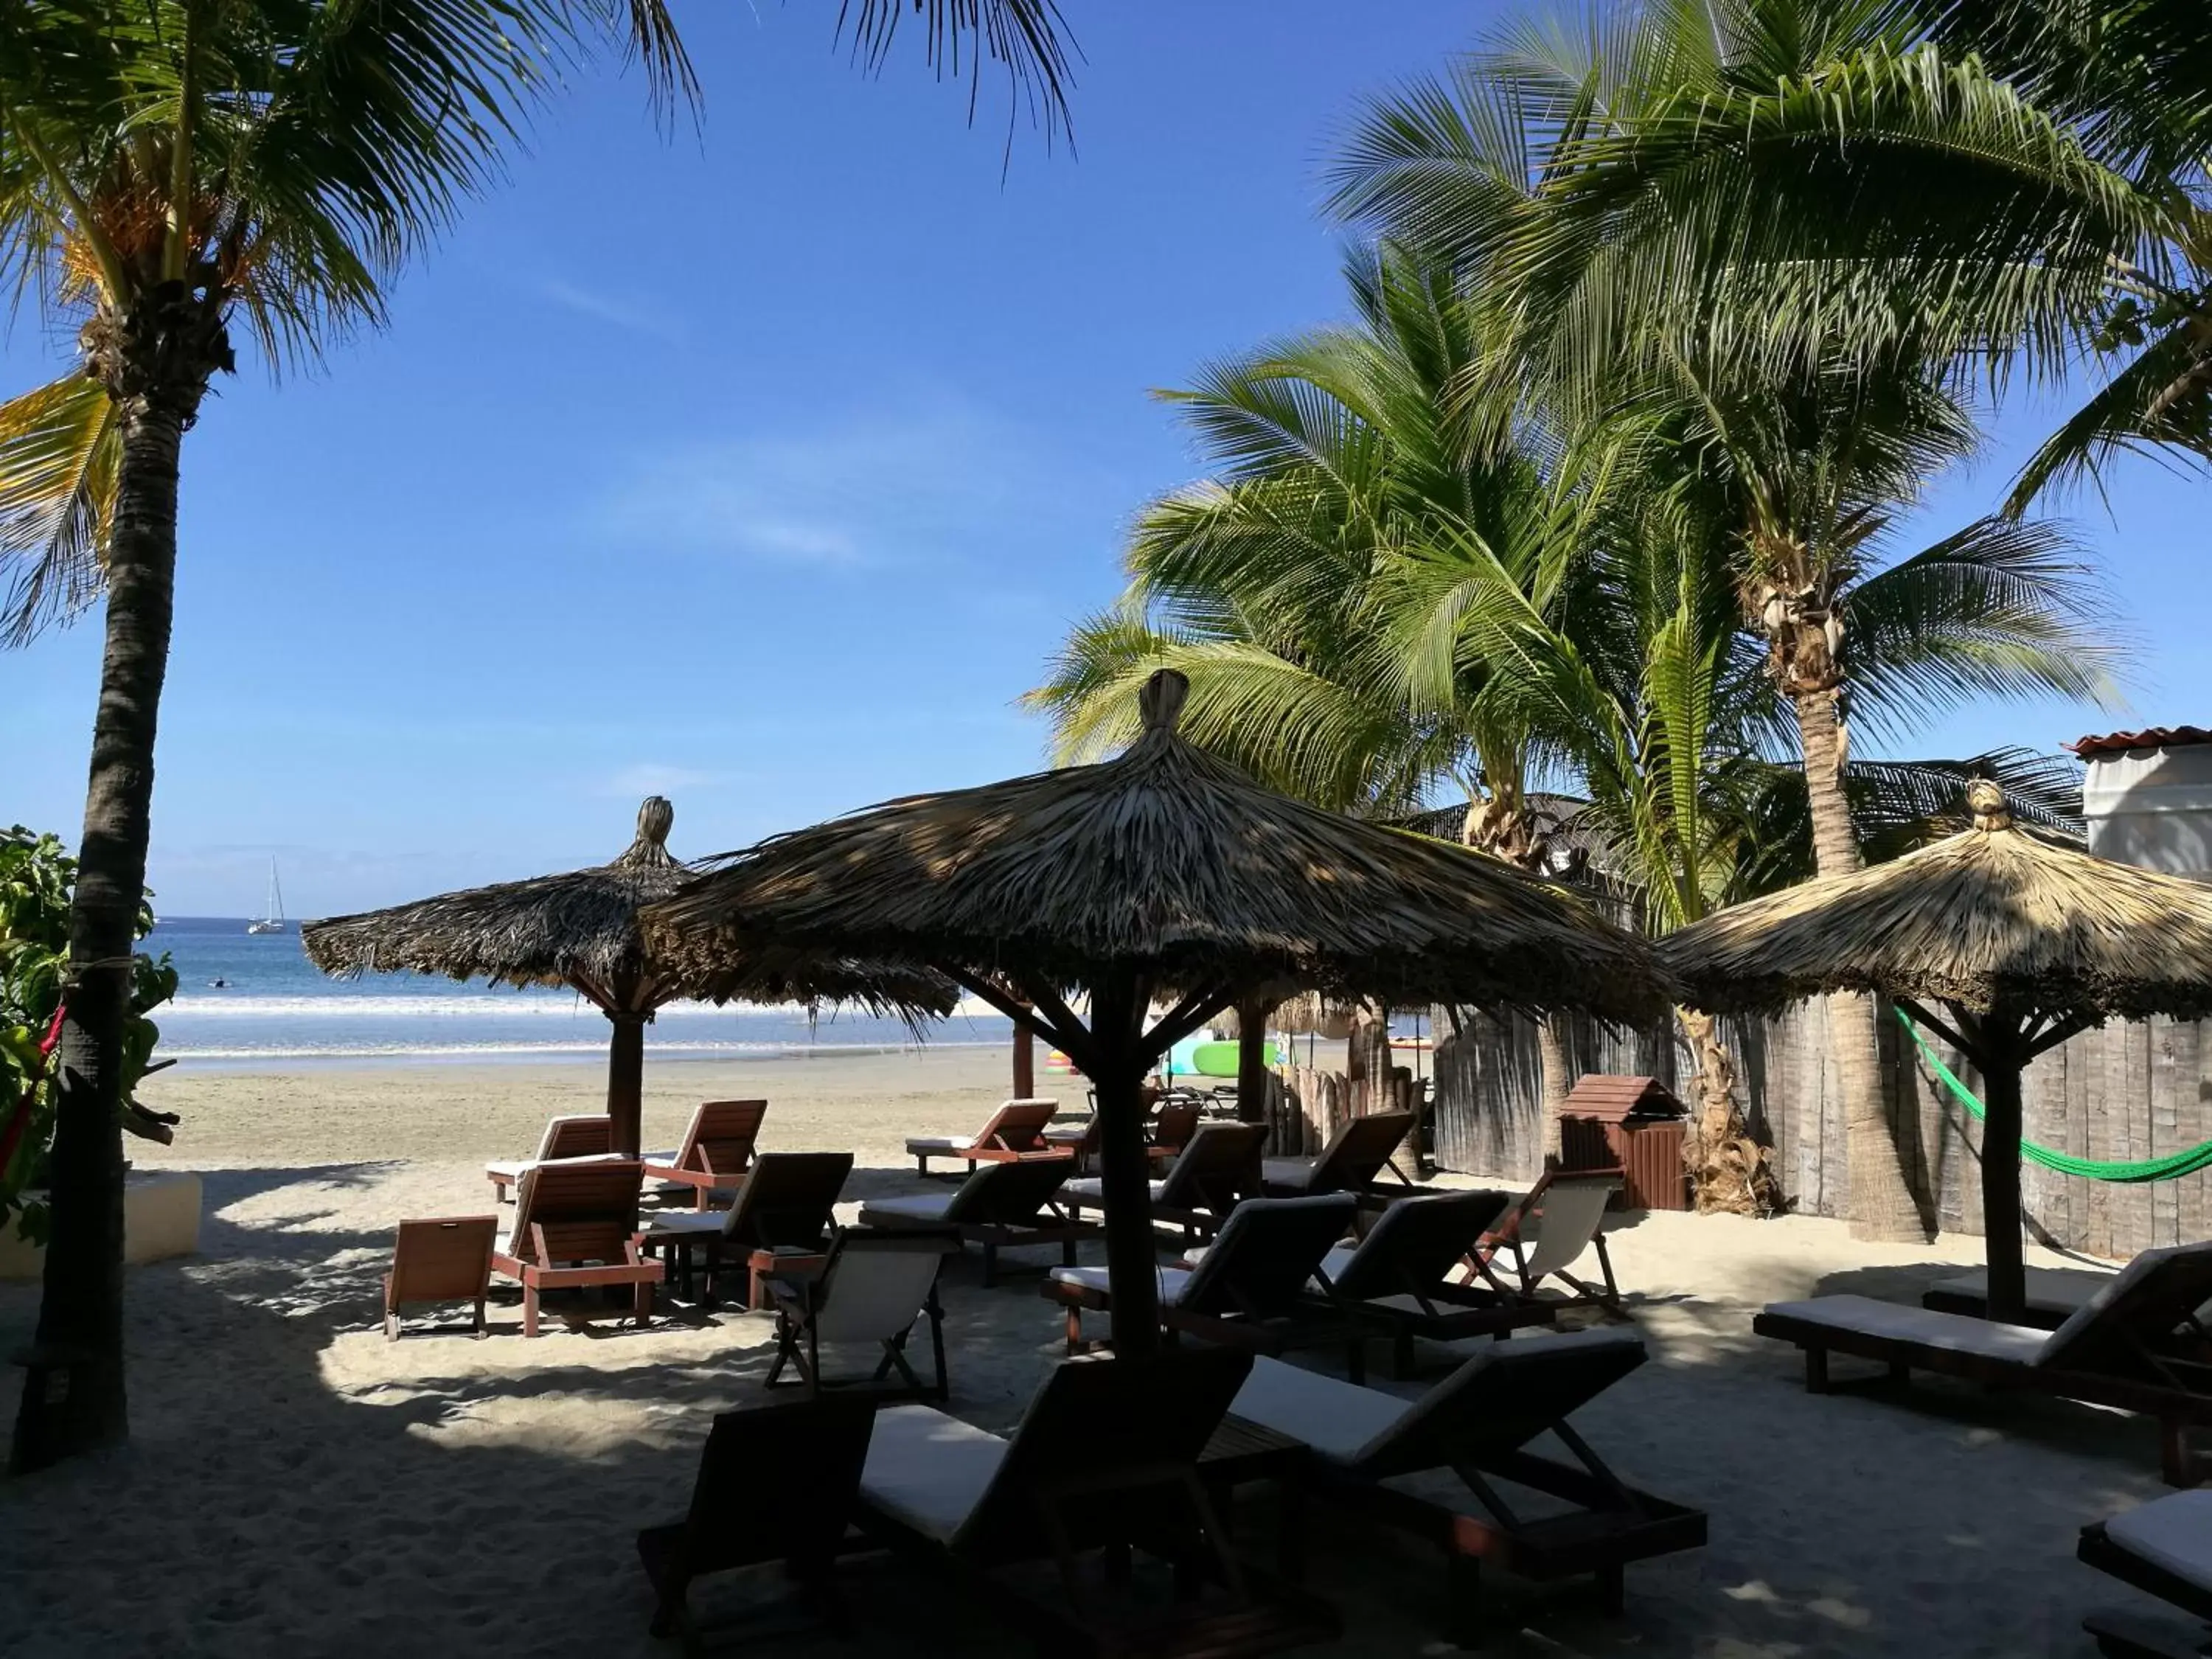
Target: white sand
column 297, row 1487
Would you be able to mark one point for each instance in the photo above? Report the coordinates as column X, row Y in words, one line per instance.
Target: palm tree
column 168, row 168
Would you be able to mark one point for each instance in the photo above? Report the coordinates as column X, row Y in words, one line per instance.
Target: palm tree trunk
column 1553, row 1082
column 1881, row 1203
column 75, row 1398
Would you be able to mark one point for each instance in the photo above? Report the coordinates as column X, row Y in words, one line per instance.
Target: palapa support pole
column 1252, row 1077
column 626, row 1078
column 1125, row 1171
column 1024, row 1061
column 2001, row 1215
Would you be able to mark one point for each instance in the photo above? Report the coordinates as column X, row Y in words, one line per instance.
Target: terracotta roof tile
column 2151, row 737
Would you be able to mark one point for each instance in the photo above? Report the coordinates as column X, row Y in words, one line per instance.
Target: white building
column 2147, row 798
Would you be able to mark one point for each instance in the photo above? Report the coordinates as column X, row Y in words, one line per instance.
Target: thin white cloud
column 619, row 314
column 653, row 778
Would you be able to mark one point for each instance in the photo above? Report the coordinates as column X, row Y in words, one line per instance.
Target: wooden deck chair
column 1000, row 1206
column 2137, row 1346
column 1354, row 1158
column 2163, row 1547
column 785, row 1205
column 776, row 1482
column 1560, row 1221
column 1398, row 1277
column 1016, row 1130
column 575, row 1227
column 1473, row 1431
column 442, row 1259
column 1251, row 1286
column 1209, row 1178
column 1104, row 1459
column 1169, row 1131
column 717, row 1149
column 868, row 1295
column 564, row 1137
column 2054, row 1295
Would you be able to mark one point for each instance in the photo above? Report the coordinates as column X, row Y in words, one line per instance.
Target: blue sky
column 765, row 471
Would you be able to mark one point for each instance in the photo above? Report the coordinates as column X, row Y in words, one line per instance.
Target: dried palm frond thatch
column 1162, row 873
column 2021, row 941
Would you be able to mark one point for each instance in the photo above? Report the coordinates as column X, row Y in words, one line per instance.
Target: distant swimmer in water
column 220, row 984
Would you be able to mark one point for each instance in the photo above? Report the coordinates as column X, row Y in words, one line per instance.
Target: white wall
column 2153, row 807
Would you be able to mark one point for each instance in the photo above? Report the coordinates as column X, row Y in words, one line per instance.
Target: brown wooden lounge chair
column 442, row 1259
column 2137, row 1346
column 2054, row 1295
column 871, row 1289
column 776, row 1482
column 717, row 1149
column 1251, row 1289
column 1209, row 1178
column 1000, row 1206
column 575, row 1226
column 1356, row 1156
column 1016, row 1130
column 564, row 1137
column 1476, row 1424
column 1172, row 1124
column 785, row 1206
column 1560, row 1220
column 2163, row 1547
column 1104, row 1459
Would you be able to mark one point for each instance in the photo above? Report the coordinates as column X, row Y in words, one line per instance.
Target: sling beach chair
column 1016, row 1130
column 2137, row 1346
column 1101, row 1470
column 777, row 1482
column 2163, row 1547
column 1249, row 1288
column 440, row 1259
column 1545, row 1237
column 1454, row 1467
column 576, row 1228
column 1209, row 1178
column 717, row 1150
column 784, row 1208
column 564, row 1137
column 1000, row 1206
column 871, row 1289
column 1354, row 1158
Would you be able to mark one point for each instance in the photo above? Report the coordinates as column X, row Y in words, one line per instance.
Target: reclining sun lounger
column 1168, row 1133
column 564, row 1137
column 871, row 1288
column 1356, row 1156
column 1433, row 1467
column 785, row 1206
column 1560, row 1220
column 2165, row 1547
column 442, row 1259
column 717, row 1149
column 1000, row 1206
column 2054, row 1295
column 1016, row 1130
column 803, row 1457
column 1251, row 1288
column 1105, row 1458
column 2137, row 1346
column 1209, row 1178
column 575, row 1226
column 1398, row 1278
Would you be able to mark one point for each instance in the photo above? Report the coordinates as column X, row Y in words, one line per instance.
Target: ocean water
column 248, row 999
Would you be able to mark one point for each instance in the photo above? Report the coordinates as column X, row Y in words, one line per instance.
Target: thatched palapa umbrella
column 2022, row 942
column 580, row 931
column 1164, row 874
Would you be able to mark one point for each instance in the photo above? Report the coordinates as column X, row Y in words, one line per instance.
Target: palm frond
column 60, row 450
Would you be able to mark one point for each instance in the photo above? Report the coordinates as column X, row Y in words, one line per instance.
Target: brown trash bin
column 1634, row 1124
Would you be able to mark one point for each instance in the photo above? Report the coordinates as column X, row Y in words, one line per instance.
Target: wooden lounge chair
column 575, row 1227
column 2137, row 1346
column 804, row 1457
column 1251, row 1286
column 1356, row 1155
column 1398, row 1278
column 1560, row 1221
column 1167, row 1133
column 2164, row 1547
column 564, row 1137
column 443, row 1259
column 717, row 1149
column 2054, row 1295
column 870, row 1291
column 1209, row 1178
column 785, row 1206
column 1104, row 1459
column 1000, row 1206
column 1016, row 1130
column 1476, row 1424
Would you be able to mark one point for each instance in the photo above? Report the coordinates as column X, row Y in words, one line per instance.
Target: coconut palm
column 170, row 169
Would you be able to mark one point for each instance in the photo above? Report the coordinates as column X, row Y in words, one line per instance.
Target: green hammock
column 2171, row 1167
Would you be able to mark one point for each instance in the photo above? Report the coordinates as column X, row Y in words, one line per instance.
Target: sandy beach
column 297, row 1487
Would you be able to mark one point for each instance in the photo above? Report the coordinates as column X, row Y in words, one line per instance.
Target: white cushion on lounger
column 2174, row 1533
column 1091, row 1187
column 1336, row 1418
column 1337, row 1260
column 684, row 1221
column 1897, row 1322
column 2061, row 1290
column 511, row 1168
column 904, row 1211
column 940, row 1142
column 1171, row 1280
column 927, row 1469
column 668, row 1156
column 1286, row 1171
column 503, row 1244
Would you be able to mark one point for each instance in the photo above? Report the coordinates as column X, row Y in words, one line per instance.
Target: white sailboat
column 271, row 921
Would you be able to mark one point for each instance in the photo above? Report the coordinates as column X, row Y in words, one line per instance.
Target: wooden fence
column 2126, row 1091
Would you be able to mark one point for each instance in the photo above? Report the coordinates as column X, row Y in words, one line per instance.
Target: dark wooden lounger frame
column 717, row 1148
column 2128, row 1635
column 1224, row 1183
column 1015, row 1131
column 607, row 1235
